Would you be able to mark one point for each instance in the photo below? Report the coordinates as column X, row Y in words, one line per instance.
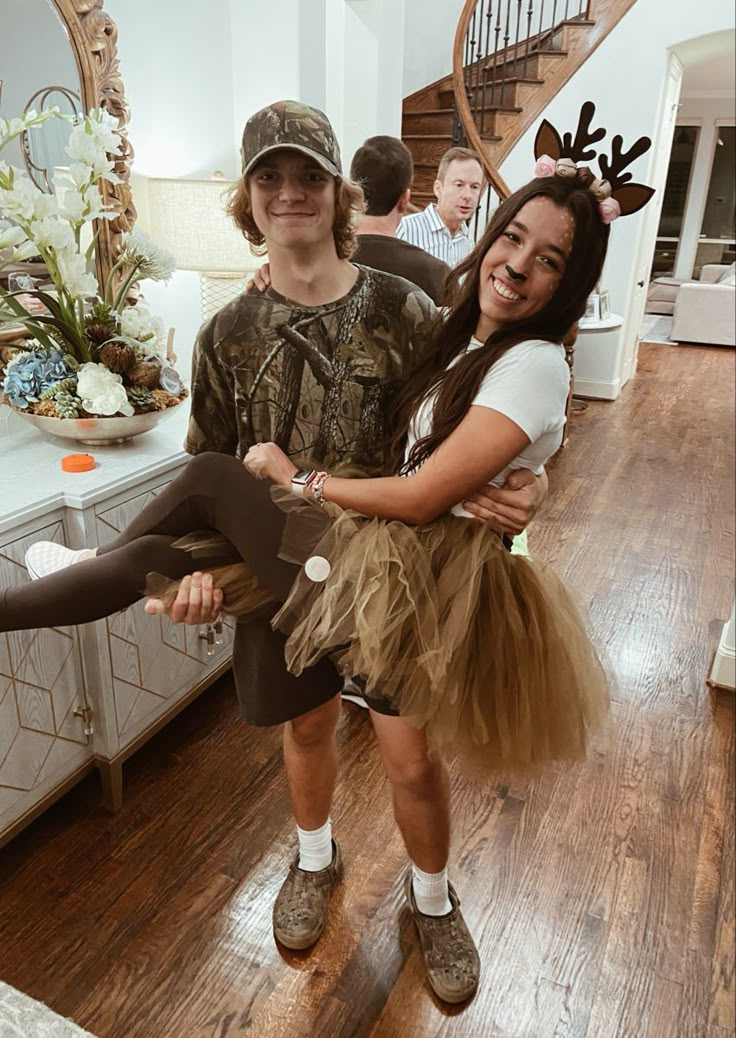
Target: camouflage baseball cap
column 291, row 124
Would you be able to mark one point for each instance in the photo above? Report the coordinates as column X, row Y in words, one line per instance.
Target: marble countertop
column 33, row 483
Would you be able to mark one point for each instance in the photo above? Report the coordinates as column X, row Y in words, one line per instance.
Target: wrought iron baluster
column 479, row 71
column 476, row 222
column 485, row 65
column 471, row 64
column 506, row 39
column 466, row 79
column 541, row 17
column 494, row 69
column 456, row 126
column 566, row 4
column 528, row 34
column 554, row 14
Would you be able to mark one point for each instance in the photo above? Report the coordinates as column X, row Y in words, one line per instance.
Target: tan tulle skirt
column 485, row 649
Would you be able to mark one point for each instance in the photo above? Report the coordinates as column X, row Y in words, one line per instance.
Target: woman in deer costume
column 390, row 576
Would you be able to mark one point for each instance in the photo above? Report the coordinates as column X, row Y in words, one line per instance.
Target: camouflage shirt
column 316, row 380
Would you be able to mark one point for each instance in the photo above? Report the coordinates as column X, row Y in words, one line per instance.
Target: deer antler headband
column 560, row 157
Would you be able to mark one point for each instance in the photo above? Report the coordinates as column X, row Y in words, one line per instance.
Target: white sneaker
column 353, row 693
column 46, row 557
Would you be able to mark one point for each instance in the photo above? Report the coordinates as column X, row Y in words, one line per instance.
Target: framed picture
column 592, row 309
column 598, row 307
column 604, row 305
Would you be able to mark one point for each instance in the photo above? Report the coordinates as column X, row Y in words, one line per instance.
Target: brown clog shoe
column 300, row 908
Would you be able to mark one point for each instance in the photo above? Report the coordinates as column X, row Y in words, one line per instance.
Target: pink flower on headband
column 545, row 166
column 609, row 209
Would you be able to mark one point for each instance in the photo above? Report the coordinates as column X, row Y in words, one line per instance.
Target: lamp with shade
column 188, row 218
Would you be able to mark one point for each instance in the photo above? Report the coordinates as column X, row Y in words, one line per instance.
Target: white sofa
column 705, row 310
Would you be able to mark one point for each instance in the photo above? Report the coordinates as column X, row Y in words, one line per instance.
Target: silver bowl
column 97, row 431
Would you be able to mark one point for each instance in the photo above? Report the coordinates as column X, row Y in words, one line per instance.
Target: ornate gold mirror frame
column 94, row 38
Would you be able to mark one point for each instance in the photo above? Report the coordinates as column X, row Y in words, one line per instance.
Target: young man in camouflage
column 312, row 364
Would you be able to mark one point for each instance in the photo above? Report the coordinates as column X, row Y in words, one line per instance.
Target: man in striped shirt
column 442, row 229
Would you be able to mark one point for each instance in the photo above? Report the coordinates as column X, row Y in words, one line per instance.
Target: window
column 717, row 233
column 675, row 197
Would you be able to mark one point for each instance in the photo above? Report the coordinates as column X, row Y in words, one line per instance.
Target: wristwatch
column 301, row 480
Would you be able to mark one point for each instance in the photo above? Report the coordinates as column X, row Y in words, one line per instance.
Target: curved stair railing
column 498, row 44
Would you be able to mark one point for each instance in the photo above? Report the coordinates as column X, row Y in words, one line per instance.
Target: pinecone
column 142, row 399
column 67, row 405
column 98, row 333
column 145, row 374
column 117, row 356
column 99, row 323
column 46, row 408
column 164, row 399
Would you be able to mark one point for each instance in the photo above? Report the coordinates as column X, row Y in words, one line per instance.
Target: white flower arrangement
column 90, row 352
column 102, row 391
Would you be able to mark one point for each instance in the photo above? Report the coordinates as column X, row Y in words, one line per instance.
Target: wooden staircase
column 504, row 92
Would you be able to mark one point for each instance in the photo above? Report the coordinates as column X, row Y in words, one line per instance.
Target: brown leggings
column 213, row 491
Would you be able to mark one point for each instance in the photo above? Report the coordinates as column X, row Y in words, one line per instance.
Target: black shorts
column 268, row 694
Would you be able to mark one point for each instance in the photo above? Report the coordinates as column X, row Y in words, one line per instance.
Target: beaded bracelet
column 317, row 487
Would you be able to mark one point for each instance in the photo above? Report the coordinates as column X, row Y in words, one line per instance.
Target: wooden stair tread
column 440, row 137
column 513, row 109
column 534, row 80
column 503, row 58
column 575, row 21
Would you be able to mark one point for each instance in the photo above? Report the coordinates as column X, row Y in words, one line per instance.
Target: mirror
column 65, row 52
column 45, row 149
column 36, row 53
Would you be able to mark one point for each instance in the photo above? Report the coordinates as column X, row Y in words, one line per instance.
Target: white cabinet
column 72, row 699
column 43, row 745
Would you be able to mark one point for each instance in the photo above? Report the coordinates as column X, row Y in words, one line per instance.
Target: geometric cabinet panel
column 131, row 670
column 40, row 686
column 152, row 660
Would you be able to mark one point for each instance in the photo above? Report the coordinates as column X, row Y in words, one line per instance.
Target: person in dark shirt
column 384, row 168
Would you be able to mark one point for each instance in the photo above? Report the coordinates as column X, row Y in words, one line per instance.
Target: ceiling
column 710, row 64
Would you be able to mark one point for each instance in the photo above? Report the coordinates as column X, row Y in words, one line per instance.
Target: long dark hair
column 457, row 386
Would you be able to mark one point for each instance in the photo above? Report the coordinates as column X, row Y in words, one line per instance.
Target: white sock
column 431, row 892
column 315, row 847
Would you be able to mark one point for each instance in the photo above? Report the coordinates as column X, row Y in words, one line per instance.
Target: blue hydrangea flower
column 32, row 371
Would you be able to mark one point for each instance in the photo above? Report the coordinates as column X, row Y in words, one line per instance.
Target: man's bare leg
column 421, row 798
column 310, row 758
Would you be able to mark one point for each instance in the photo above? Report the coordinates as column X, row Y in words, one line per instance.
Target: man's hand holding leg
column 197, row 602
column 512, row 507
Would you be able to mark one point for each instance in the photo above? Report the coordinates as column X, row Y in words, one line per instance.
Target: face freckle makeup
column 523, row 267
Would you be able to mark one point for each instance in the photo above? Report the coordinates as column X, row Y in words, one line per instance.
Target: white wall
column 194, row 73
column 364, row 74
column 265, row 55
column 175, row 60
column 626, row 104
column 429, row 36
column 176, row 64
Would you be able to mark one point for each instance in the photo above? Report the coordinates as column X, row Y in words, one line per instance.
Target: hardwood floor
column 602, row 896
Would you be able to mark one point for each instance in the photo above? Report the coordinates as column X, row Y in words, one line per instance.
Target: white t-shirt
column 529, row 385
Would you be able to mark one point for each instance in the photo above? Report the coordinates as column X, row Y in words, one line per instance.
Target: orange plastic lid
column 77, row 462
